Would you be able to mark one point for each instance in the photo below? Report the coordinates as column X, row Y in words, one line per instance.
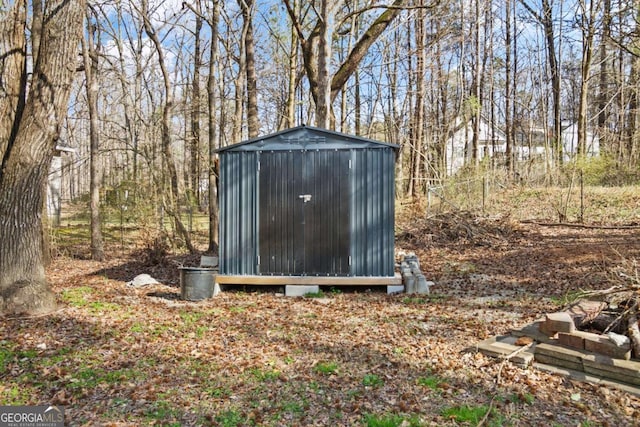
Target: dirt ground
column 117, row 355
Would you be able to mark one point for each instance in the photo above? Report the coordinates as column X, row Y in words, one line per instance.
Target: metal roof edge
column 396, row 147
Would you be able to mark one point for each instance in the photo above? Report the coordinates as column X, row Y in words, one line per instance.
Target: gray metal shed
column 307, row 206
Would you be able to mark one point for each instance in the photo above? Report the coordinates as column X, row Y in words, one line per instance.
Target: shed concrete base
column 300, row 290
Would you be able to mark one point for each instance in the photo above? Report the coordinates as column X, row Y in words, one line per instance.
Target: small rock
column 42, row 346
column 618, row 340
column 142, row 280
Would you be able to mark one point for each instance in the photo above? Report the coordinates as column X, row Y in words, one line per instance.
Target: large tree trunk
column 28, row 138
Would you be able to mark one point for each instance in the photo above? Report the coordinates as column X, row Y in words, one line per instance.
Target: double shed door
column 304, row 209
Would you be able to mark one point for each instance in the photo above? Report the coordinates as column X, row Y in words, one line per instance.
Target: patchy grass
column 326, row 368
column 391, row 420
column 319, row 294
column 130, row 356
column 467, row 414
column 433, row 382
column 372, row 380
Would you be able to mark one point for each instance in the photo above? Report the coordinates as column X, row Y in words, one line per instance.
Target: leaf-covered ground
column 116, row 355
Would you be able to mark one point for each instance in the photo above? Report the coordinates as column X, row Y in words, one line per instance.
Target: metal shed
column 307, row 206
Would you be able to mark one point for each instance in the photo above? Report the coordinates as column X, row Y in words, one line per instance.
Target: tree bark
column 194, row 146
column 323, row 99
column 418, row 117
column 588, row 33
column 253, row 125
column 13, row 25
column 213, row 135
column 28, row 149
column 508, row 100
column 90, row 61
column 350, row 64
column 311, row 53
column 290, row 117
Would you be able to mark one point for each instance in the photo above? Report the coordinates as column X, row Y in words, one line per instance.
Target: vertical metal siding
column 238, row 213
column 372, row 212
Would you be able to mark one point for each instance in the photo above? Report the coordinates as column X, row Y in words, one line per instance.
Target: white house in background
column 54, row 188
column 530, row 143
column 570, row 142
column 492, row 142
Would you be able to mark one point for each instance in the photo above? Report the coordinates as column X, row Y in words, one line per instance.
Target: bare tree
column 418, row 117
column 194, row 146
column 170, row 204
column 546, row 19
column 588, row 21
column 212, row 19
column 508, row 88
column 90, row 63
column 315, row 56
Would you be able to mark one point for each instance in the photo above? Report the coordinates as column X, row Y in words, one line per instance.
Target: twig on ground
column 509, row 357
column 488, row 413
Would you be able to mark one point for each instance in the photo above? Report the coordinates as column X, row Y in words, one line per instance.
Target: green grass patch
column 293, row 407
column 433, row 382
column 216, row 391
column 567, row 298
column 99, row 307
column 190, row 317
column 319, row 294
column 372, row 380
column 264, row 375
column 326, row 368
column 391, row 420
column 526, row 398
column 231, row 418
column 467, row 414
column 163, row 412
column 17, row 395
column 89, row 377
column 77, row 297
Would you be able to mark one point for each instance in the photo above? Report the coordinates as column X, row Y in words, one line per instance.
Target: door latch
column 305, row 197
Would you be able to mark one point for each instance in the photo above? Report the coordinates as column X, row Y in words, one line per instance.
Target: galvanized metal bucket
column 197, row 283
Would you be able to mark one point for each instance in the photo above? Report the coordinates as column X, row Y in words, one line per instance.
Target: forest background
column 155, row 97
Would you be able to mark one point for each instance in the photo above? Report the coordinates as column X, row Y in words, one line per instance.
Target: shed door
column 304, row 204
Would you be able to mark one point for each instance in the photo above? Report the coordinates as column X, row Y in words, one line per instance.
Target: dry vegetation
column 115, row 355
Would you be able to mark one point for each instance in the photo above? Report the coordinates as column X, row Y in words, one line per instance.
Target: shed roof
column 306, row 138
